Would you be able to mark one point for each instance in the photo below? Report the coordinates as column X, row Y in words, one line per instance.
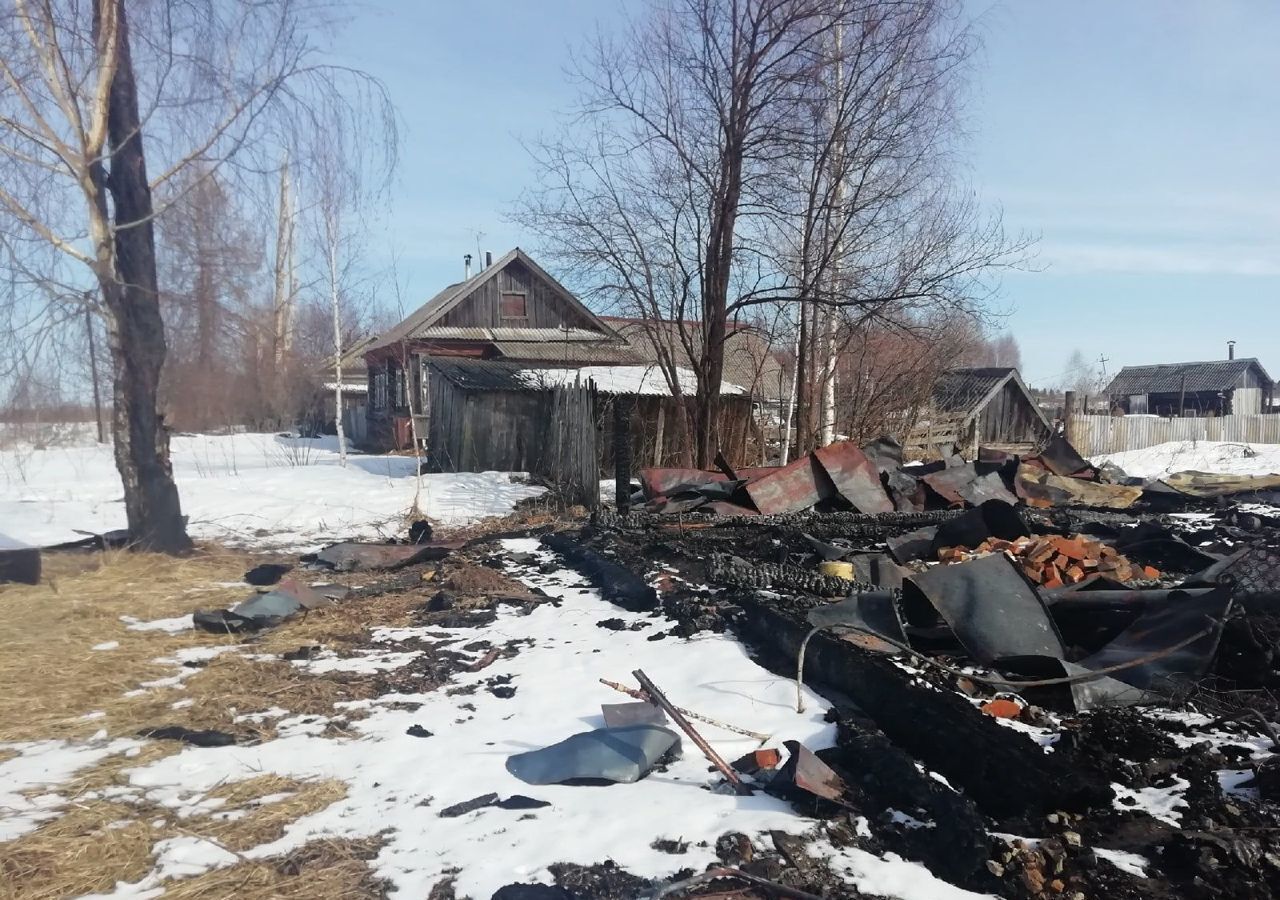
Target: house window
column 514, row 306
column 380, row 390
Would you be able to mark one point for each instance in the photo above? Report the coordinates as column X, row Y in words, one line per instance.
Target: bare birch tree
column 204, row 82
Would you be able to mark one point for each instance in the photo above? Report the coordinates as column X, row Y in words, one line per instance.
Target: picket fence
column 1093, row 435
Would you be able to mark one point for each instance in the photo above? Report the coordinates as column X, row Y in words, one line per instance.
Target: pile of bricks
column 1055, row 561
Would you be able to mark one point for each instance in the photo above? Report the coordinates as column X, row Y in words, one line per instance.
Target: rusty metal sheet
column 809, row 773
column 992, row 610
column 948, row 482
column 792, row 488
column 1039, row 487
column 659, row 482
column 854, row 476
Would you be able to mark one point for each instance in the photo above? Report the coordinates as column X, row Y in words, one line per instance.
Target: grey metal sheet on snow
column 622, row 755
column 991, row 609
column 626, row 715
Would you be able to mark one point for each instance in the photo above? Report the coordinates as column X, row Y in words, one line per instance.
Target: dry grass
column 97, row 843
column 52, row 678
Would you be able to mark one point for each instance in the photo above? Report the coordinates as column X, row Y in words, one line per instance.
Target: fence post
column 622, row 452
column 1068, row 412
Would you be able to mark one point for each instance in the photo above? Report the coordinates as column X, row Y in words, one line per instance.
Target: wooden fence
column 571, row 458
column 1093, row 435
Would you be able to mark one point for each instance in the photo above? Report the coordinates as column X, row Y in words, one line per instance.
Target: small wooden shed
column 990, row 407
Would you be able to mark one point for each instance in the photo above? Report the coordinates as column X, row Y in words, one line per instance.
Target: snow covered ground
column 398, row 783
column 246, row 489
column 1197, row 456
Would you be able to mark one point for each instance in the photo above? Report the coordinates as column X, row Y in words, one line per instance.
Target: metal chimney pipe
column 466, row 266
column 1231, row 349
column 488, row 258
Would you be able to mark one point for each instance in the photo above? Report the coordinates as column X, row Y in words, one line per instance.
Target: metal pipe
column 716, row 760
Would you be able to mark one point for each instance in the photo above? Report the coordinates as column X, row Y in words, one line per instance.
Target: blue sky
column 1139, row 140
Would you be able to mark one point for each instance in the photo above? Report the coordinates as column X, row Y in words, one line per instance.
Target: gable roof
column 1167, row 378
column 967, row 391
column 435, row 308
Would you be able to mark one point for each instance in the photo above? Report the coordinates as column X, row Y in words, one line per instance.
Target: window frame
column 502, row 311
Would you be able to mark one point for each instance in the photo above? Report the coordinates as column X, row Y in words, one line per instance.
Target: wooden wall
column 479, row 431
column 545, row 306
column 1009, row 418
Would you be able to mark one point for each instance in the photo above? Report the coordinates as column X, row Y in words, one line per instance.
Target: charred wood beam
column 894, row 520
column 775, row 577
column 1004, row 772
column 616, row 583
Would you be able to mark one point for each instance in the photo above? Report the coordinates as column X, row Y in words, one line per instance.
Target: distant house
column 1214, row 388
column 470, row 374
column 989, row 407
column 355, row 391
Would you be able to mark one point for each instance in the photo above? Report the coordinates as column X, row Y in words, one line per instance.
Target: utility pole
column 93, row 369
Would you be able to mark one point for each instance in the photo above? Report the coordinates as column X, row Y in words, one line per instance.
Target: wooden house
column 1214, row 388
column 987, row 407
column 471, row 373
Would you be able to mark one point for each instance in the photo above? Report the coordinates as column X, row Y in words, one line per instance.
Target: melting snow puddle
column 398, row 783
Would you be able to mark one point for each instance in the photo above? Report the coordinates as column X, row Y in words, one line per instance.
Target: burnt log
column 616, row 583
column 1004, row 772
column 952, row 840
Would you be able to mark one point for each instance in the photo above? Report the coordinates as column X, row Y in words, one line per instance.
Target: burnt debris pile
column 1049, row 679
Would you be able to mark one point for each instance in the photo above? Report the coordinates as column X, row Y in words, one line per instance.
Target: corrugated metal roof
column 480, row 374
column 748, row 358
column 507, row 375
column 1167, row 378
column 574, row 352
column 484, row 333
column 961, row 390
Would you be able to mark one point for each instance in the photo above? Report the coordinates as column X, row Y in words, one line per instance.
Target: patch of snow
column 399, row 783
column 1238, row 783
column 42, row 764
column 1160, row 803
column 182, row 704
column 274, row 712
column 172, row 626
column 106, row 645
column 259, row 490
column 366, row 662
column 1133, row 863
column 888, row 876
column 900, row 818
column 1224, row 457
column 96, row 714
